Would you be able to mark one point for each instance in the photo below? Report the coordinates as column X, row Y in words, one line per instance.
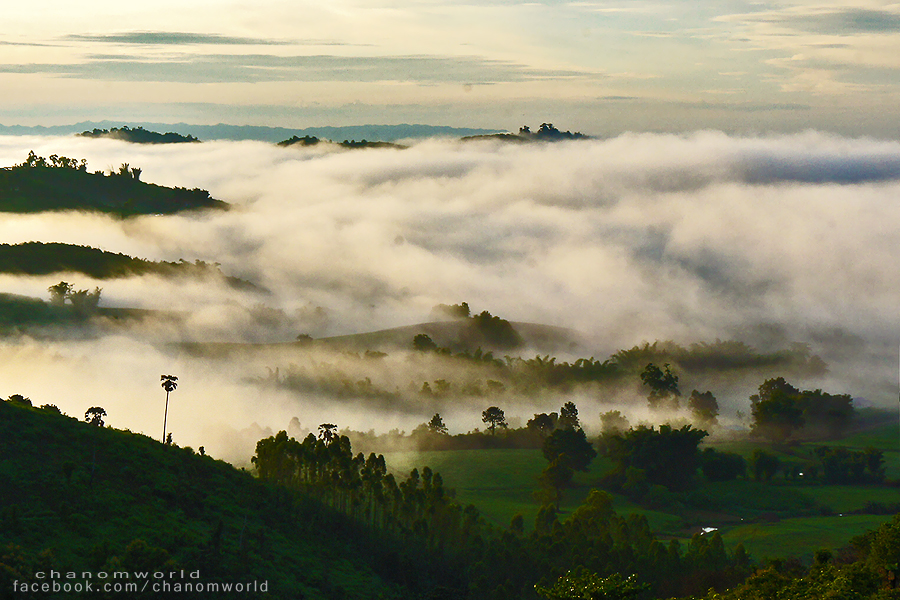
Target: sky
column 601, row 68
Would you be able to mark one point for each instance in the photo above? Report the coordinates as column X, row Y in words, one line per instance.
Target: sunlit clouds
column 738, row 66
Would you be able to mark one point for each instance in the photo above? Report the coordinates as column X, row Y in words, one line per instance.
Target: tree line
column 418, row 516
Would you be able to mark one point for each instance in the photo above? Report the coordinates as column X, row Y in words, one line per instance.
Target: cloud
column 837, row 50
column 178, row 38
column 769, row 240
column 254, row 68
column 847, row 21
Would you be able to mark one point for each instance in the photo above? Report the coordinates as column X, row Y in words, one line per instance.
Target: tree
column 59, row 293
column 19, row 399
column 826, row 414
column 613, row 422
column 571, row 443
column 436, row 425
column 568, row 416
column 494, row 417
column 542, row 423
column 94, row 416
column 553, row 479
column 453, row 311
column 85, row 302
column 776, row 413
column 496, row 331
column 424, row 343
column 663, row 386
column 668, row 457
column 779, row 410
column 704, row 407
column 169, row 383
column 327, row 432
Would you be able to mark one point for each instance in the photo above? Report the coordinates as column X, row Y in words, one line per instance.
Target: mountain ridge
column 223, row 131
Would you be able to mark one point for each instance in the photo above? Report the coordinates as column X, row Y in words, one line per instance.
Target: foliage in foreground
column 76, row 496
column 419, row 518
column 869, row 570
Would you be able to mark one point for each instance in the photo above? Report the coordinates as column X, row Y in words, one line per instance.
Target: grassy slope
column 776, row 519
column 126, row 486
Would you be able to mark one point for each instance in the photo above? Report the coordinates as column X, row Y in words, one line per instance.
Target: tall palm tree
column 169, row 384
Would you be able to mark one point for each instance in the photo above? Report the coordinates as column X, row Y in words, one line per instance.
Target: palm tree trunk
column 165, row 417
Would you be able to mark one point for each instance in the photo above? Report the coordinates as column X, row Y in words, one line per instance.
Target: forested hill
column 60, row 183
column 309, row 140
column 545, row 133
column 78, row 497
column 38, row 258
column 139, row 135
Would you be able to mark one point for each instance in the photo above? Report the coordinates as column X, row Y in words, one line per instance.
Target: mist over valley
column 775, row 249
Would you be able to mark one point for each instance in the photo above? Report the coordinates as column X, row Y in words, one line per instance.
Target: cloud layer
column 769, row 240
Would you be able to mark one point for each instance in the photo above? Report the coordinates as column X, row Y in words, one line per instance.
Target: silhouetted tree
column 704, row 407
column 542, row 423
column 94, row 416
column 436, row 425
column 169, row 383
column 776, row 410
column 19, row 399
column 454, row 311
column 568, row 417
column 424, row 343
column 59, row 293
column 327, row 432
column 494, row 417
column 663, row 386
column 85, row 302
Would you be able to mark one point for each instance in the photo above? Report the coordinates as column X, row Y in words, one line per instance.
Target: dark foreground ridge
column 79, row 497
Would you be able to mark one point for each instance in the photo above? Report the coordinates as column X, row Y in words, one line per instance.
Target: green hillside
column 59, row 183
column 38, row 258
column 77, row 497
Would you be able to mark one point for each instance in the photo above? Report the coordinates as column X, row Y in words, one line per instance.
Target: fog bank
column 769, row 240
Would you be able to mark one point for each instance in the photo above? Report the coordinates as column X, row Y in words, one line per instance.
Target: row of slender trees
column 423, row 517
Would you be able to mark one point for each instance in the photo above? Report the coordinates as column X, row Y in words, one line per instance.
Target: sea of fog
column 768, row 240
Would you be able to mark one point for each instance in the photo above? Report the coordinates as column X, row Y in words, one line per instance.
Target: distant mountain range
column 386, row 133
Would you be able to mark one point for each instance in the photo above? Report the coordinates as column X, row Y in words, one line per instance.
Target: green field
column 800, row 537
column 772, row 519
